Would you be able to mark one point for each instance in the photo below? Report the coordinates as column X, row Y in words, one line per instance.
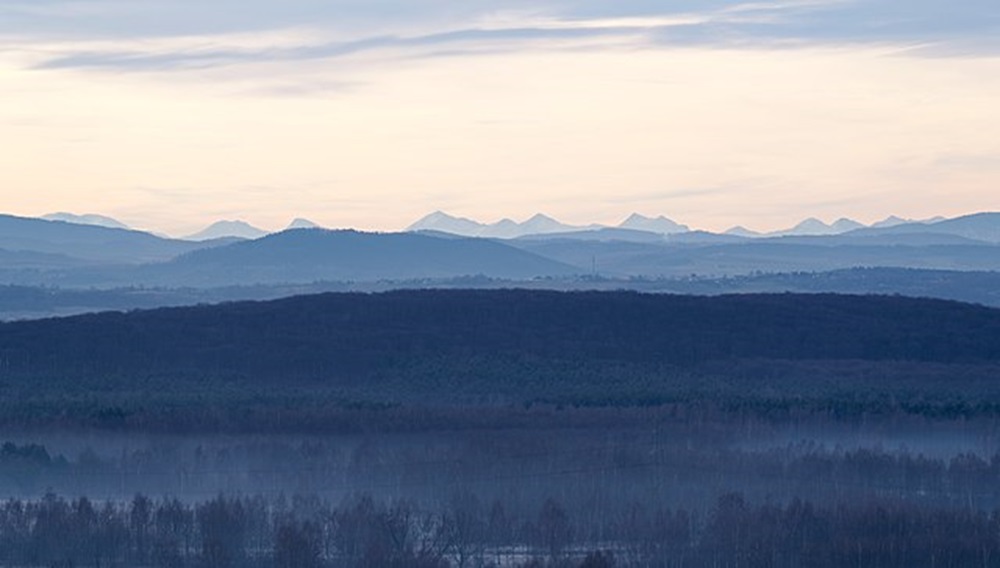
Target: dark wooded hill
column 342, row 335
column 299, row 362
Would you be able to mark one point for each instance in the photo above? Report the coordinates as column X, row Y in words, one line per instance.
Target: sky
column 170, row 114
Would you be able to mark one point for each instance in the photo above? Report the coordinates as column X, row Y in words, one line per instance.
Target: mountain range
column 227, row 229
column 71, row 254
column 503, row 229
column 88, row 242
column 541, row 224
column 86, row 219
column 224, row 229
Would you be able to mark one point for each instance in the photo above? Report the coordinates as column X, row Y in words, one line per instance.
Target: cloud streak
column 208, row 40
column 141, row 60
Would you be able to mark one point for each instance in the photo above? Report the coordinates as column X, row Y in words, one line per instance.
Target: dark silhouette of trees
column 298, row 545
column 554, row 530
column 52, row 532
column 598, row 559
column 174, row 524
column 222, row 525
column 466, row 530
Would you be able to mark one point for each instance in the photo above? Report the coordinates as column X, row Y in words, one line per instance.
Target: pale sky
column 170, row 114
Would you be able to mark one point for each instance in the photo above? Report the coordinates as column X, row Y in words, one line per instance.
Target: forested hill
column 339, row 337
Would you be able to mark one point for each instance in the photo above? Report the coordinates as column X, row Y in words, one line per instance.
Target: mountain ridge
column 88, row 242
column 541, row 224
column 86, row 219
column 537, row 224
column 225, row 229
column 308, row 255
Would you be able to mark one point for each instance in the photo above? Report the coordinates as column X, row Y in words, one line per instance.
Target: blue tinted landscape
column 483, row 284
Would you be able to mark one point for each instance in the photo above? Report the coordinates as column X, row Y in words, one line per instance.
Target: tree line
column 307, row 532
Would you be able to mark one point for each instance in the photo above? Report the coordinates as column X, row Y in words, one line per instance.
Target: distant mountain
column 983, row 227
column 86, row 219
column 980, row 226
column 540, row 224
column 544, row 225
column 309, row 255
column 223, row 229
column 445, row 223
column 810, row 226
column 60, row 253
column 660, row 224
column 844, row 225
column 813, row 226
column 741, row 231
column 890, row 221
column 503, row 229
column 87, row 242
column 301, row 223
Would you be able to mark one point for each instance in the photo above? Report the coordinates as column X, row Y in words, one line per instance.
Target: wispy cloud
column 137, row 59
column 258, row 31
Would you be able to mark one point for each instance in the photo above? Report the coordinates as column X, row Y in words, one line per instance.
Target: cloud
column 118, row 36
column 212, row 57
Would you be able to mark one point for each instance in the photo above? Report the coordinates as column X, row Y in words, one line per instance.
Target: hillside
column 984, row 226
column 88, row 242
column 963, row 286
column 423, row 345
column 34, row 302
column 710, row 258
column 307, row 255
